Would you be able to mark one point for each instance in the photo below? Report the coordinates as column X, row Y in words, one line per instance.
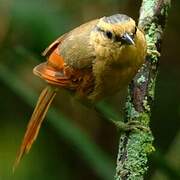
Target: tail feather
column 44, row 101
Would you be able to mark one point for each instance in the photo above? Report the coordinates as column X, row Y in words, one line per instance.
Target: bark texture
column 135, row 146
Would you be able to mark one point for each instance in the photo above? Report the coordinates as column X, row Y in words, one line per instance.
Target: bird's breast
column 109, row 79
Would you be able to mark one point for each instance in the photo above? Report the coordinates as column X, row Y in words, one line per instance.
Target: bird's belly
column 110, row 82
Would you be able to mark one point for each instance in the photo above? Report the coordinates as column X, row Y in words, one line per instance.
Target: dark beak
column 127, row 39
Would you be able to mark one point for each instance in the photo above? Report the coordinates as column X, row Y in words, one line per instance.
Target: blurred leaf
column 165, row 169
column 38, row 22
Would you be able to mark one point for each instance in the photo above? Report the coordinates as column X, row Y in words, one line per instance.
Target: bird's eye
column 108, row 34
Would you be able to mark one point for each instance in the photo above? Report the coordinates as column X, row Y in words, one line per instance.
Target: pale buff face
column 107, row 38
column 116, row 30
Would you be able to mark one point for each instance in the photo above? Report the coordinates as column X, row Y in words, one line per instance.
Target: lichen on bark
column 135, row 146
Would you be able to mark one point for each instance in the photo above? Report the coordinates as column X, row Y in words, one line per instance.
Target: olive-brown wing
column 70, row 58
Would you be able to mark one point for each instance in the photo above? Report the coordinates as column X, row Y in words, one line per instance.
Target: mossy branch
column 134, row 147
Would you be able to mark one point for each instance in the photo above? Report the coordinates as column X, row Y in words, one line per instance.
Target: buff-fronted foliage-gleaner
column 93, row 61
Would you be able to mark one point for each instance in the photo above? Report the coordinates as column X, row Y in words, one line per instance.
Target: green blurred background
column 74, row 143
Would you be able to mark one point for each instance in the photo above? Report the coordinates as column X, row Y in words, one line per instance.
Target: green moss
column 130, row 110
column 149, row 149
column 141, row 79
column 139, row 147
column 146, row 104
column 151, row 88
column 148, row 9
column 144, row 118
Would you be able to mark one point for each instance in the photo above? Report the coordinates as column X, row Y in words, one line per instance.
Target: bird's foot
column 130, row 126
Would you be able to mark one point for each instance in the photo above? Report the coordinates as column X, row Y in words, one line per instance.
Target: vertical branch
column 134, row 147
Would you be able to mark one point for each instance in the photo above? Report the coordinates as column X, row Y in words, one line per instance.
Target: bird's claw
column 131, row 126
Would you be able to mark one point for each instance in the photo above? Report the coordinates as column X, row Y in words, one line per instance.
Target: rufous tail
column 44, row 101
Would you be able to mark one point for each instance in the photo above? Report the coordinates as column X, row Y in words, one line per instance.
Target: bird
column 93, row 61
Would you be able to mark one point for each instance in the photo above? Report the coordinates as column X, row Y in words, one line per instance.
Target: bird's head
column 117, row 37
column 117, row 29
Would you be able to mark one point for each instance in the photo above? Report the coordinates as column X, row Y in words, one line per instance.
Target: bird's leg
column 106, row 112
column 129, row 126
